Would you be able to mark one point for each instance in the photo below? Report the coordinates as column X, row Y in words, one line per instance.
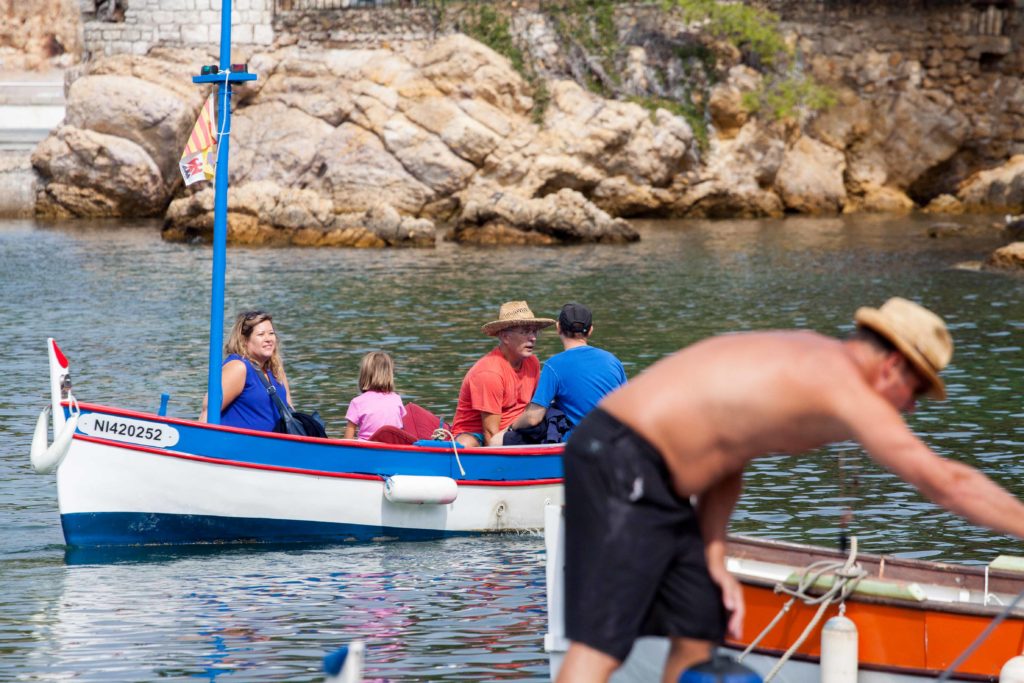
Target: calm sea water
column 132, row 315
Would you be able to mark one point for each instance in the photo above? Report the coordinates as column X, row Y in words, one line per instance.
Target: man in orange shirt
column 499, row 386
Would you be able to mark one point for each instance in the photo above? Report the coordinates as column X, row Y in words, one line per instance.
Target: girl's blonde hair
column 377, row 373
column 239, row 337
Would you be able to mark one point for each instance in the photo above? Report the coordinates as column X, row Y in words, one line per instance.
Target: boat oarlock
column 47, row 457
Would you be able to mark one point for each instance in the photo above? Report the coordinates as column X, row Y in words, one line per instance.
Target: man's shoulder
column 582, row 354
column 492, row 361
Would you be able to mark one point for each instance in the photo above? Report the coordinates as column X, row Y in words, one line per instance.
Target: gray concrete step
column 23, row 126
column 31, row 87
column 31, row 105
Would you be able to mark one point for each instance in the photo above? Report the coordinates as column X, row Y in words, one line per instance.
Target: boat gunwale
column 166, row 452
column 883, row 567
column 541, row 450
column 962, row 608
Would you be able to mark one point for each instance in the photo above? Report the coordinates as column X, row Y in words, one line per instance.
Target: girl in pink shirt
column 378, row 405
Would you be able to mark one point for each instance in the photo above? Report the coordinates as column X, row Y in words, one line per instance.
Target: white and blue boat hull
column 224, row 485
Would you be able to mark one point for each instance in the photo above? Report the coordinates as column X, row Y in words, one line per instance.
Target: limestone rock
column 263, row 213
column 997, row 189
column 40, row 34
column 1010, row 257
column 903, row 137
column 725, row 103
column 738, row 177
column 586, row 141
column 458, row 65
column 425, row 156
column 465, row 136
column 495, row 216
column 810, row 178
column 85, row 173
column 944, row 203
column 354, row 169
column 149, row 115
column 274, row 142
column 946, row 230
column 880, row 199
column 170, row 68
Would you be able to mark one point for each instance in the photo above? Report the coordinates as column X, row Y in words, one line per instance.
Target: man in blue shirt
column 572, row 381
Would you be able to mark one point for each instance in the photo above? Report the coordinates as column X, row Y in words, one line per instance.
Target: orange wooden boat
column 913, row 618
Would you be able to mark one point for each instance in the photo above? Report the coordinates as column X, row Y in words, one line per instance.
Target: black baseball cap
column 575, row 319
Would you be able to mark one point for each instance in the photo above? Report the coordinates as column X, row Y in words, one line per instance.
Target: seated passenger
column 571, row 383
column 253, row 353
column 378, row 405
column 498, row 387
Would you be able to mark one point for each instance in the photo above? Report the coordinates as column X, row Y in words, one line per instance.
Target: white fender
column 839, row 651
column 417, row 489
column 47, row 459
column 1013, row 670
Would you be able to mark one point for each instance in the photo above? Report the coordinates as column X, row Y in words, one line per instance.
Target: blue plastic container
column 720, row 669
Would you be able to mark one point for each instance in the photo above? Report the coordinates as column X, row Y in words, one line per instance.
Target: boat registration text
column 127, row 429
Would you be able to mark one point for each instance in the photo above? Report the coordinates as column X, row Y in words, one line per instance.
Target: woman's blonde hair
column 238, row 340
column 377, row 373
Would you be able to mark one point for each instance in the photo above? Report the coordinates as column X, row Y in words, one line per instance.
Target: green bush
column 785, row 96
column 588, row 33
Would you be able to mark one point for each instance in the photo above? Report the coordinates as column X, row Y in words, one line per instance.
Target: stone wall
column 356, row 27
column 970, row 51
column 143, row 24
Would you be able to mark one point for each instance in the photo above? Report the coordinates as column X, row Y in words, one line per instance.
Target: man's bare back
column 704, row 413
column 713, row 406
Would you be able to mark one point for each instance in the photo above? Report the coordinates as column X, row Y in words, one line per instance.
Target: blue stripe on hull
column 133, row 528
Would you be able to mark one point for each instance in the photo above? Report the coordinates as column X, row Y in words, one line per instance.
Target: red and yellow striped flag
column 199, row 160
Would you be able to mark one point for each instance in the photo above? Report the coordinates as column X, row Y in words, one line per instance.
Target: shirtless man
column 641, row 561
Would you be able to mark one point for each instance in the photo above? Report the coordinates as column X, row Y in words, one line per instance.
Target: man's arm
column 955, row 486
column 714, row 508
column 492, row 424
column 531, row 417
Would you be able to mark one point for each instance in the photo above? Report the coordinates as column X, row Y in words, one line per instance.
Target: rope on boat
column 224, row 105
column 847, row 575
column 442, row 434
column 944, row 676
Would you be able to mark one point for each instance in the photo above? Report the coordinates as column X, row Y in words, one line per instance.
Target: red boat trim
column 311, row 439
column 61, row 358
column 296, row 470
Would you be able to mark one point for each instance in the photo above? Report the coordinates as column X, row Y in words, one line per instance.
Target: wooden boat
column 126, row 477
column 914, row 618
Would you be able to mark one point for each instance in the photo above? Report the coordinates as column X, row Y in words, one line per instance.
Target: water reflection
column 461, row 609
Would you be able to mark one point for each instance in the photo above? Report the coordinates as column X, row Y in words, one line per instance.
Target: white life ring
column 47, row 458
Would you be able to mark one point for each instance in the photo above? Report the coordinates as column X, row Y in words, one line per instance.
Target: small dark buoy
column 720, row 669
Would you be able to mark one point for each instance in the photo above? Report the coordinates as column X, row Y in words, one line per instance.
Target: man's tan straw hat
column 513, row 313
column 920, row 335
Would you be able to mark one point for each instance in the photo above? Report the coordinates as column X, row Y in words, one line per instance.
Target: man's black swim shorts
column 634, row 557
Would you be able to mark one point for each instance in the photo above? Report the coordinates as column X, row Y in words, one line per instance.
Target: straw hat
column 513, row 313
column 920, row 335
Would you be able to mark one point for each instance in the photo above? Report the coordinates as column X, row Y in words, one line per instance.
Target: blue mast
column 224, row 77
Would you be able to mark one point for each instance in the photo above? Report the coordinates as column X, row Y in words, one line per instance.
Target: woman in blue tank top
column 252, row 350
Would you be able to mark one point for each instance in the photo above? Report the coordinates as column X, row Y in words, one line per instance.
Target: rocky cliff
column 372, row 147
